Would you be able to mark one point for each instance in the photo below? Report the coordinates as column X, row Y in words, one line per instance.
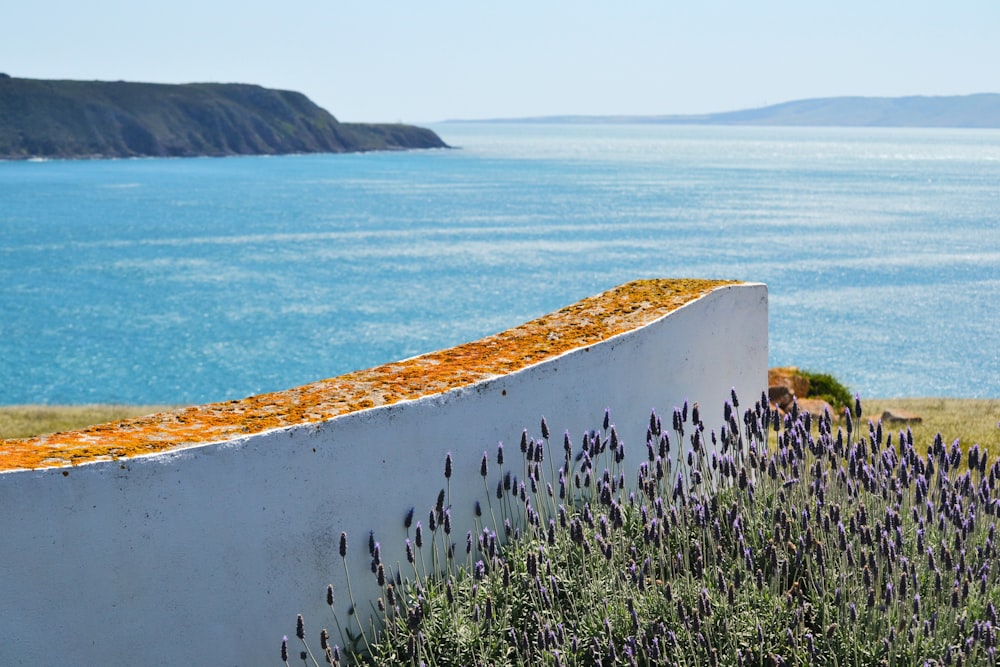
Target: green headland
column 118, row 119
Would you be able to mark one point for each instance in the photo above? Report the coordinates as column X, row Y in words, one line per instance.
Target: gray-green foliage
column 775, row 541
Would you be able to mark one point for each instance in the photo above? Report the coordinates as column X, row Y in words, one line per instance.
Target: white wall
column 206, row 555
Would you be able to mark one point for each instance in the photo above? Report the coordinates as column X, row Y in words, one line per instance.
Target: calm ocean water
column 195, row 280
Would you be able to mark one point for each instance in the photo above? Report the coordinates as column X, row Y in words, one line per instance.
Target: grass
column 971, row 420
column 25, row 421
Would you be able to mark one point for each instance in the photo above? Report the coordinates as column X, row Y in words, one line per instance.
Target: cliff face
column 73, row 119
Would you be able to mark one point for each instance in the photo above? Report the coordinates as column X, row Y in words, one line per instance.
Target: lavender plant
column 781, row 539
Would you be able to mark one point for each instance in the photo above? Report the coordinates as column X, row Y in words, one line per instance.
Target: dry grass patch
column 971, row 420
column 25, row 421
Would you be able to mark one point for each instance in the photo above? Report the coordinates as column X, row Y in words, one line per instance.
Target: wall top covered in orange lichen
column 582, row 324
column 210, row 522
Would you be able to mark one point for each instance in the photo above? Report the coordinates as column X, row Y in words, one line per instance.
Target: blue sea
column 178, row 281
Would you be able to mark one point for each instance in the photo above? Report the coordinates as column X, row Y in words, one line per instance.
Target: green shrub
column 828, row 388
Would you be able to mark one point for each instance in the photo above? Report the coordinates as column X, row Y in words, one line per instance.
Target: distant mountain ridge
column 114, row 119
column 969, row 111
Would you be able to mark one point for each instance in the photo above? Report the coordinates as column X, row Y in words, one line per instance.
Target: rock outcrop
column 784, row 385
column 815, row 406
column 788, row 386
column 897, row 416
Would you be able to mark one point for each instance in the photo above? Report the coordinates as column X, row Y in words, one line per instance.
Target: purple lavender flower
column 704, row 603
column 439, row 506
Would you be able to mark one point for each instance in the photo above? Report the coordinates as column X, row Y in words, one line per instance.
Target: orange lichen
column 582, row 324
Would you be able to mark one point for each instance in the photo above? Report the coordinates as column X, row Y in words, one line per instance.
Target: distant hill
column 113, row 119
column 973, row 111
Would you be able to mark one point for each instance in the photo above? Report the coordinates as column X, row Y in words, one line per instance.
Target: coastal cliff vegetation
column 118, row 119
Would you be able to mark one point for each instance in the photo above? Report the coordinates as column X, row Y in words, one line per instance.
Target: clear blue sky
column 375, row 60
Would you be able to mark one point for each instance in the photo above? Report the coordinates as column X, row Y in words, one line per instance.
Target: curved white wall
column 205, row 555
